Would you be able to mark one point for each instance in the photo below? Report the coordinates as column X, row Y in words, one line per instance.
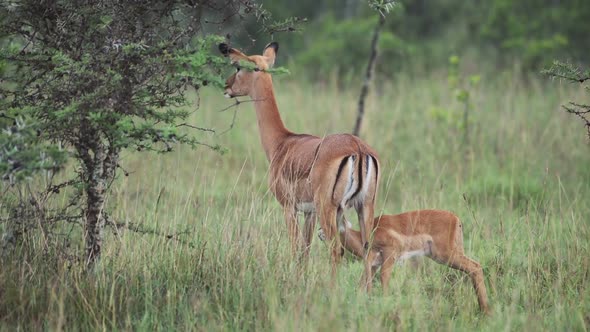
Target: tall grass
column 521, row 188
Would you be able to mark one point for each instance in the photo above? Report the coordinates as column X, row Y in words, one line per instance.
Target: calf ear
column 233, row 54
column 270, row 53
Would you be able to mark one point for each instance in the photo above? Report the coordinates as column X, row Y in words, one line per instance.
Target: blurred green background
column 422, row 34
column 204, row 246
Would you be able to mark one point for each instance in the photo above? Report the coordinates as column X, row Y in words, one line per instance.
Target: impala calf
column 436, row 234
column 316, row 176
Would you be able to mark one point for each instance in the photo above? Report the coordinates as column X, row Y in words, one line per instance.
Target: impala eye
column 237, row 69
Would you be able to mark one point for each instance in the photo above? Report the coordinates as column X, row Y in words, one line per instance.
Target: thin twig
column 117, row 226
column 581, row 114
column 470, row 209
column 569, row 78
column 233, row 121
column 238, row 102
column 195, row 127
column 235, row 104
column 125, row 172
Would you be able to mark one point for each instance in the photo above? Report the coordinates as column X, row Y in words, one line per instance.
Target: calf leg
column 475, row 272
column 388, row 257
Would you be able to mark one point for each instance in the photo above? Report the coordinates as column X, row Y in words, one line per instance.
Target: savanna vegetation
column 192, row 239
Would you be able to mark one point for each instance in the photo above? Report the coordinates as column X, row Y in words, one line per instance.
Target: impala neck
column 271, row 127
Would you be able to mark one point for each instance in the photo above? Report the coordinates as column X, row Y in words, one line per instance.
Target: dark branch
column 368, row 75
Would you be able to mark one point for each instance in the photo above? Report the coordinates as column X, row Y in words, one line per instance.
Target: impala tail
column 356, row 180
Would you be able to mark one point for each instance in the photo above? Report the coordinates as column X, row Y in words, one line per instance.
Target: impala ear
column 270, row 53
column 233, row 54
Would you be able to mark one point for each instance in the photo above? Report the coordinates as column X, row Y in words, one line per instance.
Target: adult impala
column 436, row 234
column 313, row 175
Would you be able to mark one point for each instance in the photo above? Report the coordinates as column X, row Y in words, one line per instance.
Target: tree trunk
column 100, row 162
column 95, row 197
column 368, row 74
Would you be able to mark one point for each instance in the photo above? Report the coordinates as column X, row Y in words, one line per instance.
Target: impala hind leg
column 308, row 230
column 293, row 229
column 328, row 221
column 475, row 272
column 365, row 217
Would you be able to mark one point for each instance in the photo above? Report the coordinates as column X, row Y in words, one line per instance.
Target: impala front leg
column 293, row 229
column 389, row 258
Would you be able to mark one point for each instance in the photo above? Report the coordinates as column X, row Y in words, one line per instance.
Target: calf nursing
column 324, row 176
column 435, row 234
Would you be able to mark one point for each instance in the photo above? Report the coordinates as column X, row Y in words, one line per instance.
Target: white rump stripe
column 350, row 189
column 368, row 178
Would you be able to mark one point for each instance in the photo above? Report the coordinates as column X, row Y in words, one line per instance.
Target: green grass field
column 521, row 187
